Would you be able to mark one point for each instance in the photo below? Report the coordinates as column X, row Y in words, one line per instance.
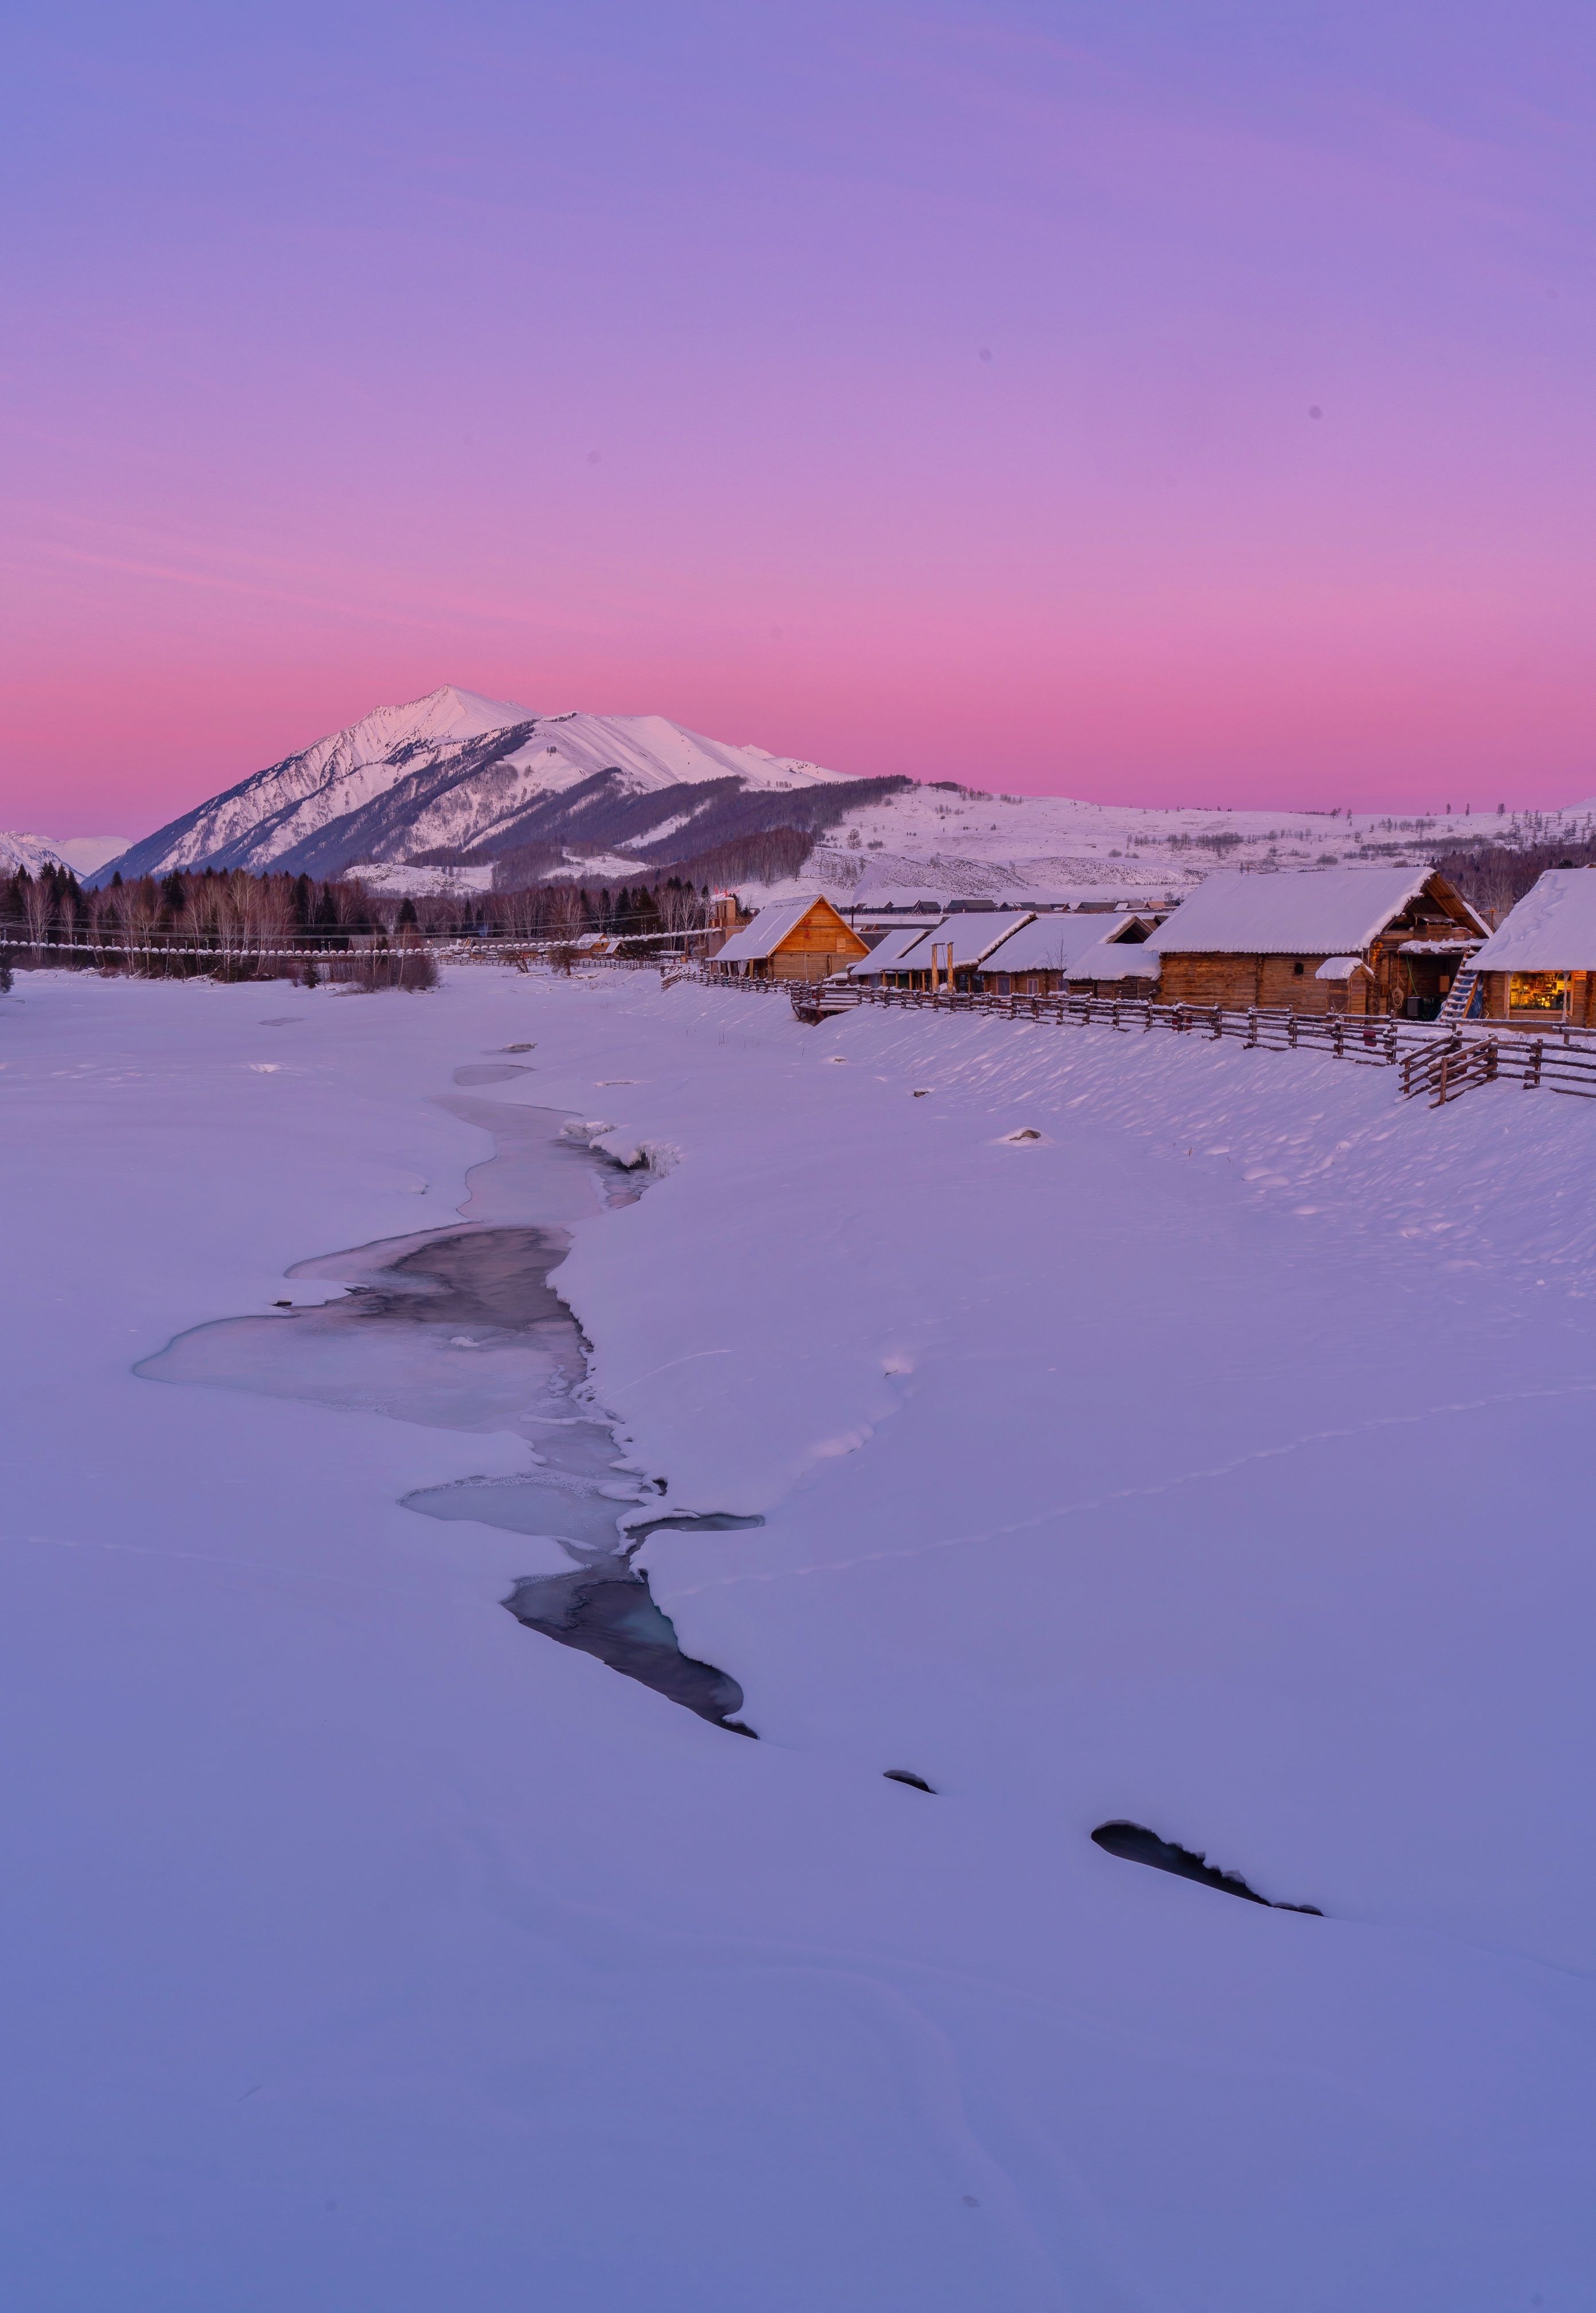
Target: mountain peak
column 453, row 771
column 449, row 712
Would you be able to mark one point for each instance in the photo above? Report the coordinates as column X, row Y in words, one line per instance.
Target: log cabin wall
column 1231, row 980
column 793, row 963
column 1275, row 984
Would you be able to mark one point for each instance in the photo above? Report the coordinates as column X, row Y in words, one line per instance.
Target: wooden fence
column 1439, row 1065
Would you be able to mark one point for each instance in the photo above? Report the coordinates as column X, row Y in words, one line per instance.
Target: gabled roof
column 1051, row 943
column 1295, row 912
column 1115, row 957
column 890, row 952
column 974, row 935
column 1552, row 928
column 760, row 938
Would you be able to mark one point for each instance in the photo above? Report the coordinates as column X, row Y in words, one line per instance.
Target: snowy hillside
column 450, row 771
column 942, row 842
column 84, row 854
column 31, row 852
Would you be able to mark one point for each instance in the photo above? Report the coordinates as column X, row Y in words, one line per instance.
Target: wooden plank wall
column 1269, row 981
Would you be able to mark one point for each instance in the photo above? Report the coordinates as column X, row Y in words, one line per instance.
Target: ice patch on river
column 460, row 1329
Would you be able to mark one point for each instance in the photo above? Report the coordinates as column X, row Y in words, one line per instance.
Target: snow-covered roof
column 1340, row 967
column 760, row 938
column 891, row 951
column 1051, row 943
column 974, row 934
column 1115, row 957
column 1306, row 911
column 1552, row 928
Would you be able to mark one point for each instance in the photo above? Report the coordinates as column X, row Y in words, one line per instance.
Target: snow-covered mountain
column 84, row 854
column 460, row 773
column 459, row 786
column 31, row 852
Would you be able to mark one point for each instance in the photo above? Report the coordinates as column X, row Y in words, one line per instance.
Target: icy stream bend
column 460, row 1329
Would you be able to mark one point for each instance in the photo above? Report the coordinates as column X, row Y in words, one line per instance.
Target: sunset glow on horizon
column 1167, row 405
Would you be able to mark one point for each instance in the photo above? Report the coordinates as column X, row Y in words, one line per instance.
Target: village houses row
column 1361, row 940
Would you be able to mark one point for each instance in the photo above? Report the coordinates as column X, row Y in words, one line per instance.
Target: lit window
column 1537, row 992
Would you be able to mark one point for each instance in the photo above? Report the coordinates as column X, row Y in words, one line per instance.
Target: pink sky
column 919, row 391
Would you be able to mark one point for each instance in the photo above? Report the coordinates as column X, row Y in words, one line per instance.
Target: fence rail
column 1439, row 1064
column 315, row 947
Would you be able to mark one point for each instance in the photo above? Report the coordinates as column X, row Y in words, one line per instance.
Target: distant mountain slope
column 457, row 773
column 31, row 852
column 488, row 791
column 81, row 853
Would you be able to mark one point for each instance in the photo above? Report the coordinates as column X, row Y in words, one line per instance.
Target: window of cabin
column 1537, row 992
column 1296, row 969
column 1005, row 985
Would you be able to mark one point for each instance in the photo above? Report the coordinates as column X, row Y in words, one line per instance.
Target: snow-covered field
column 1217, row 1460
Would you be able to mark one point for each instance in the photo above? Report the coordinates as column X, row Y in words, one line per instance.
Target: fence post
column 1339, row 1029
column 1532, row 1073
column 1218, row 1028
column 1252, row 1023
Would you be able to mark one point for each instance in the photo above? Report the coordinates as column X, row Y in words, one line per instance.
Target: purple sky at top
column 923, row 389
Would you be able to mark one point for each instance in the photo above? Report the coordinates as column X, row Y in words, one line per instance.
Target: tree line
column 228, row 922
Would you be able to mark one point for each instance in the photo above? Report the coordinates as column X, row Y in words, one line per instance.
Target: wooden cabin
column 1123, row 962
column 1359, row 940
column 968, row 943
column 1538, row 970
column 1044, row 956
column 888, row 963
column 795, row 939
column 953, row 953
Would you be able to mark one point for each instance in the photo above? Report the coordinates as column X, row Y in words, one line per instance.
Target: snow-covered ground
column 1216, row 1460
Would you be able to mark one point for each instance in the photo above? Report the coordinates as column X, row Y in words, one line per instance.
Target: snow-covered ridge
column 29, row 852
column 84, row 854
column 453, row 771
